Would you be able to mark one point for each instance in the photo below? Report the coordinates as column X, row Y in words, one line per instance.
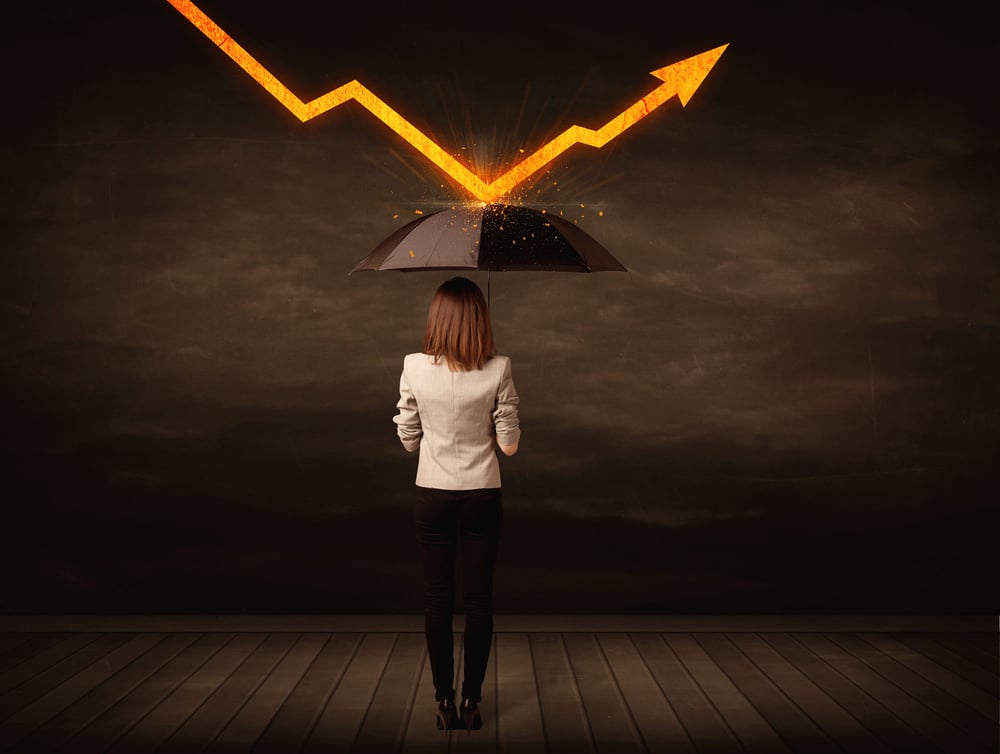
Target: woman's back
column 456, row 419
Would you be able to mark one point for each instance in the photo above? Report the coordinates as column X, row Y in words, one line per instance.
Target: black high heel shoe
column 447, row 718
column 471, row 719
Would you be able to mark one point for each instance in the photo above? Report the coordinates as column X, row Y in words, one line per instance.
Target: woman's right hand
column 509, row 450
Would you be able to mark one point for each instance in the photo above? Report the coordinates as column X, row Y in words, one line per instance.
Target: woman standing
column 457, row 403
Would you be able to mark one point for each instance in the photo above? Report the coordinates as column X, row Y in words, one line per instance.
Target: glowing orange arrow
column 681, row 79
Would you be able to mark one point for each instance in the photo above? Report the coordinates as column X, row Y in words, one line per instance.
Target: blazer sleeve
column 508, row 425
column 407, row 421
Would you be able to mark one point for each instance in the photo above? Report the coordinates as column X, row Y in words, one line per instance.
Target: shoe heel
column 446, row 715
column 471, row 719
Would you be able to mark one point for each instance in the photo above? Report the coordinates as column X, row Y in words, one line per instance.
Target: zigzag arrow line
column 681, row 79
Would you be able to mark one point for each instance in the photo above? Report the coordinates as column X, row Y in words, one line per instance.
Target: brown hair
column 458, row 326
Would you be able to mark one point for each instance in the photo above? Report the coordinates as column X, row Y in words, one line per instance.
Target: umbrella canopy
column 491, row 237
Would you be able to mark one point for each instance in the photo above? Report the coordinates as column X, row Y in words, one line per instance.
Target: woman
column 456, row 399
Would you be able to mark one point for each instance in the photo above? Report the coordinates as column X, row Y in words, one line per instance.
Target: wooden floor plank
column 565, row 722
column 103, row 695
column 656, row 723
column 291, row 726
column 961, row 644
column 23, row 646
column 948, row 658
column 174, row 710
column 230, row 694
column 966, row 692
column 705, row 692
column 611, row 724
column 33, row 716
column 44, row 655
column 41, row 683
column 817, row 697
column 983, row 641
column 345, row 710
column 753, row 731
column 938, row 731
column 246, row 727
column 796, row 729
column 13, row 639
column 103, row 731
column 519, row 722
column 699, row 716
column 974, row 726
column 863, row 707
column 384, row 725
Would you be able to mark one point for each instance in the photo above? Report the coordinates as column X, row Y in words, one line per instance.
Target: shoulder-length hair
column 458, row 326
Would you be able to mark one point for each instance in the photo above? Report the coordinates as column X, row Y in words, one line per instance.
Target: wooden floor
column 550, row 691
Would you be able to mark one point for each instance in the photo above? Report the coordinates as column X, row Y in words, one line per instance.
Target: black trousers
column 449, row 522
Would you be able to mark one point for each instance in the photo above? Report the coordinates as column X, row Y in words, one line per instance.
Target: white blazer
column 456, row 418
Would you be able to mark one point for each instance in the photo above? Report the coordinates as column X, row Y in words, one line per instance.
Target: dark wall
column 788, row 404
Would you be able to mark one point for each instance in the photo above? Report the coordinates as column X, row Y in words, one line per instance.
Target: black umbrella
column 490, row 237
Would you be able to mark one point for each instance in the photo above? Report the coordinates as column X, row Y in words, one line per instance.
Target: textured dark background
column 788, row 404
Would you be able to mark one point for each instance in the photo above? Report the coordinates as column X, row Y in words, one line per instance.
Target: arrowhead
column 686, row 75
